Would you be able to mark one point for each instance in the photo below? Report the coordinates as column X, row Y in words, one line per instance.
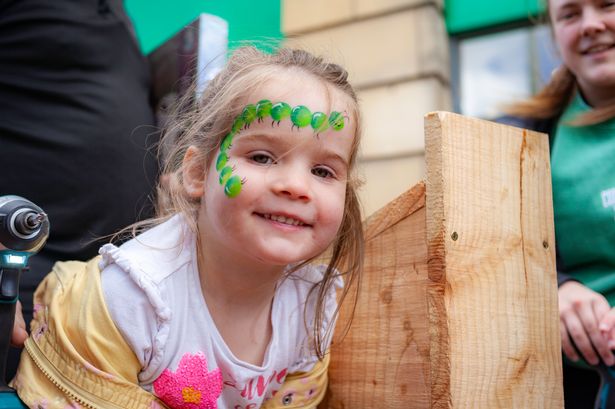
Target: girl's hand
column 581, row 311
column 19, row 335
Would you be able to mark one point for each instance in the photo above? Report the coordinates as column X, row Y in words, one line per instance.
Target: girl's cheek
column 335, row 211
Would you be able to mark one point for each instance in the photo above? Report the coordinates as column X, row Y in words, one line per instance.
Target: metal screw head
column 454, row 236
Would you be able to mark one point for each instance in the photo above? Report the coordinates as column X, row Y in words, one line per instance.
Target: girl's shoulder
column 138, row 281
column 155, row 254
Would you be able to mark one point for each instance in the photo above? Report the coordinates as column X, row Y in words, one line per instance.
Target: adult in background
column 76, row 124
column 577, row 109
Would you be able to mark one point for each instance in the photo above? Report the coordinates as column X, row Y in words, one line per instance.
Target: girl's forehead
column 296, row 88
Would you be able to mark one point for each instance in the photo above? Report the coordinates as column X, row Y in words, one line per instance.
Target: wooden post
column 458, row 306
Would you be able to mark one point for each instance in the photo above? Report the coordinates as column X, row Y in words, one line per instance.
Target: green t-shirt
column 583, row 171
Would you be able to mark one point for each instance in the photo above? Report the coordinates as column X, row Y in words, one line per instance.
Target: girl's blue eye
column 322, row 172
column 262, row 158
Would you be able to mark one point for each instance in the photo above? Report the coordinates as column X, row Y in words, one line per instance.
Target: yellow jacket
column 76, row 355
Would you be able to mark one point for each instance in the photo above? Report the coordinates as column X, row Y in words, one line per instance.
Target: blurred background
column 405, row 58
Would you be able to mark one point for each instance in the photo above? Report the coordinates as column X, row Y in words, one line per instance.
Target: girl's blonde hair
column 205, row 122
column 551, row 100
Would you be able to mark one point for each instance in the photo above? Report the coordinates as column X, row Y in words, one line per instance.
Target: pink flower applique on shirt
column 191, row 386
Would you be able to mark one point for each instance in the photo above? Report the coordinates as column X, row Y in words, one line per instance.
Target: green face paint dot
column 225, row 174
column 263, row 109
column 319, row 122
column 248, row 114
column 237, row 124
column 233, row 186
column 336, row 120
column 300, row 116
column 221, row 161
column 280, row 111
column 226, row 142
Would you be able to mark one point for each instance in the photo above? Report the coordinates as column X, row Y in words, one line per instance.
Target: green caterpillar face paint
column 225, row 174
column 263, row 109
column 336, row 121
column 280, row 111
column 238, row 124
column 226, row 142
column 232, row 187
column 300, row 117
column 319, row 122
column 248, row 114
column 221, row 161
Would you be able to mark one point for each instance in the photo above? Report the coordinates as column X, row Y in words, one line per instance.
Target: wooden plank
column 383, row 361
column 492, row 292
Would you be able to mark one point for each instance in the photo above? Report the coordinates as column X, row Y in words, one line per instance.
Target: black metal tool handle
column 9, row 290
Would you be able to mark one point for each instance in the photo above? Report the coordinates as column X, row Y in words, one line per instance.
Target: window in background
column 496, row 69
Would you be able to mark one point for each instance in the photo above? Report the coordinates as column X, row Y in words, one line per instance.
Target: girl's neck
column 229, row 279
column 239, row 296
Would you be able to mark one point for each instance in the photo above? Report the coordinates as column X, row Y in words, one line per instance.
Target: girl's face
column 585, row 34
column 291, row 200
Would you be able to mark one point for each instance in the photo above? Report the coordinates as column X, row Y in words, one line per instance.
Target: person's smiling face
column 291, row 202
column 584, row 31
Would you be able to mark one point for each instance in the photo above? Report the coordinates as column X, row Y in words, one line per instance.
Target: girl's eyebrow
column 284, row 141
column 261, row 136
column 257, row 135
column 336, row 157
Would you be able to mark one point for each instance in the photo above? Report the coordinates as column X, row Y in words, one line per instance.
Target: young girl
column 219, row 305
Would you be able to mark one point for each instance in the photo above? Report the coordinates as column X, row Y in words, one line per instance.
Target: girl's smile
column 286, row 220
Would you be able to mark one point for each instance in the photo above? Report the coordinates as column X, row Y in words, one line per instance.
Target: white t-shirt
column 152, row 289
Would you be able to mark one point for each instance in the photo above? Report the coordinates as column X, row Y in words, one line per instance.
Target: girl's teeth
column 283, row 219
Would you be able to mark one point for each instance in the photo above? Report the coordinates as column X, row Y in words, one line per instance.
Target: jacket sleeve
column 75, row 354
column 561, row 276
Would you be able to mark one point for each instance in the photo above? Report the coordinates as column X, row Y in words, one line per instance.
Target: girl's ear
column 193, row 172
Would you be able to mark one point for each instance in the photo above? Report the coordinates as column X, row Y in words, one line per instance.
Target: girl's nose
column 593, row 22
column 292, row 184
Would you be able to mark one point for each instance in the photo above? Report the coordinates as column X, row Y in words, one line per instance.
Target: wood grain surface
column 458, row 303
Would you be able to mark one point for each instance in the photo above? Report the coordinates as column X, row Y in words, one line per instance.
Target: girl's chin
column 285, row 259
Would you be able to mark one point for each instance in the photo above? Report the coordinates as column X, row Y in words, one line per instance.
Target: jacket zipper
column 38, row 360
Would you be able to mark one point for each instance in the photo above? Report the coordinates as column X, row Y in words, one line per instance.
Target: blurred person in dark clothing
column 76, row 124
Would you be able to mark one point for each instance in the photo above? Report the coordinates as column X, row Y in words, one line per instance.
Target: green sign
column 468, row 15
column 158, row 20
